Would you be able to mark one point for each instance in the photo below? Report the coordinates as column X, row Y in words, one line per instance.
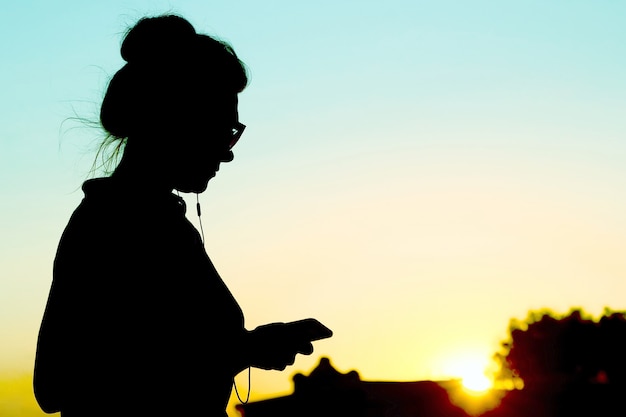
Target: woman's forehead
column 214, row 110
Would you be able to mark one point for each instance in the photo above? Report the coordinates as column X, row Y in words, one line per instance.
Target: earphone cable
column 199, row 217
column 249, row 372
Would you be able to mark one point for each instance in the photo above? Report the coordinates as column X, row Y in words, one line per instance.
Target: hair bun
column 154, row 38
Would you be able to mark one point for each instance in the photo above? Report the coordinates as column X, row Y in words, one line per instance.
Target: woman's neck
column 143, row 172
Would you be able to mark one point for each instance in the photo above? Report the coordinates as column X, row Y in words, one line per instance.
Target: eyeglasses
column 236, row 133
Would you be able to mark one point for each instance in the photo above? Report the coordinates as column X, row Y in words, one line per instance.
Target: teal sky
column 414, row 173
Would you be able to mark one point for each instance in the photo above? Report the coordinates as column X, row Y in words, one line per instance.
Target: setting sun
column 475, row 392
column 471, row 370
column 473, row 380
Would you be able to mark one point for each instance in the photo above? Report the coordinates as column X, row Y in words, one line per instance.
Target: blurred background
column 413, row 174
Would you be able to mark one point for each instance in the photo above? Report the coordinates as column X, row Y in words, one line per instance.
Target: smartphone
column 310, row 329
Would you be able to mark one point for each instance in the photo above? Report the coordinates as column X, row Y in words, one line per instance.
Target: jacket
column 138, row 320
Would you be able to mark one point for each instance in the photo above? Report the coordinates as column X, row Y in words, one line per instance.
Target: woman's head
column 168, row 67
column 177, row 91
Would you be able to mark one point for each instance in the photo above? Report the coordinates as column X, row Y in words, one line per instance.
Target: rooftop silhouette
column 328, row 392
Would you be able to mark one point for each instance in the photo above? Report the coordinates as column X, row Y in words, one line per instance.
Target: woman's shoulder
column 111, row 211
column 109, row 193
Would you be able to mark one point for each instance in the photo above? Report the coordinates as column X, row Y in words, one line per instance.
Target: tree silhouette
column 567, row 365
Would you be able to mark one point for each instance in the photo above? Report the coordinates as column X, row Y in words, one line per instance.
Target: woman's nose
column 227, row 156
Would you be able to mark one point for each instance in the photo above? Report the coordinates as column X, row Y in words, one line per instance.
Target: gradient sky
column 414, row 173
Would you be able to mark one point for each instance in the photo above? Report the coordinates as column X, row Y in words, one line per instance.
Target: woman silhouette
column 138, row 321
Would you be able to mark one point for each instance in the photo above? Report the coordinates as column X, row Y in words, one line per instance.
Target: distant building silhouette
column 329, row 393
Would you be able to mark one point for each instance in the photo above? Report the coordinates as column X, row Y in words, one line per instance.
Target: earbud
column 199, row 218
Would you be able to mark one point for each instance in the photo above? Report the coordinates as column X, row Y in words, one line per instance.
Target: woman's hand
column 275, row 346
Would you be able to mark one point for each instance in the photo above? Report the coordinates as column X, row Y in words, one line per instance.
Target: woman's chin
column 193, row 188
column 196, row 185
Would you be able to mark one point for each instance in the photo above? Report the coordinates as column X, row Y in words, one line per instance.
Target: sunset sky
column 413, row 174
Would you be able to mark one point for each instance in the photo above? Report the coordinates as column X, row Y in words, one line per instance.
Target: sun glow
column 474, row 379
column 472, row 371
column 474, row 390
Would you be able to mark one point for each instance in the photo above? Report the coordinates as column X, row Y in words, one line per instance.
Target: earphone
column 199, row 218
column 199, row 212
